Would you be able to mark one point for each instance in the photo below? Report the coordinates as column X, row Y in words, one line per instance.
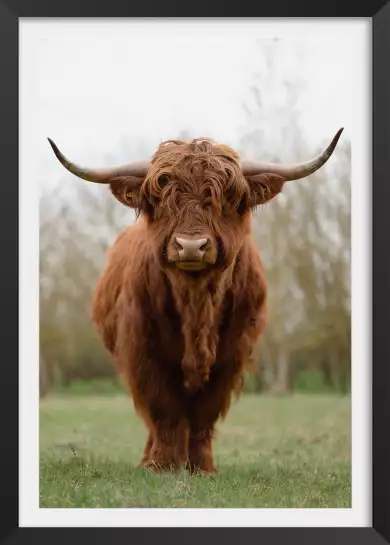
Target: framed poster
column 293, row 451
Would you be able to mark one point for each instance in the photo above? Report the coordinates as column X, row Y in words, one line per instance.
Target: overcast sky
column 88, row 84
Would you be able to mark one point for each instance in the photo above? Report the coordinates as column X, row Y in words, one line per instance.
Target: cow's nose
column 191, row 249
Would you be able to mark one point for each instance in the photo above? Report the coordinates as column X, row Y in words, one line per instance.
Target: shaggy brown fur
column 182, row 340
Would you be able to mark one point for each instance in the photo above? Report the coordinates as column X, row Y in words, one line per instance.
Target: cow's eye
column 163, row 180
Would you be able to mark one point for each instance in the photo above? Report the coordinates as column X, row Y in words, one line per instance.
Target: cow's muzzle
column 192, row 253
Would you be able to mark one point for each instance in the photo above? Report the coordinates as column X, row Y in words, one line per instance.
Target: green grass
column 272, row 452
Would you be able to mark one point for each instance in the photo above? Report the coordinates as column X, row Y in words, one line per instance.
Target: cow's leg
column 160, row 406
column 155, row 387
column 169, row 448
column 205, row 409
column 200, row 455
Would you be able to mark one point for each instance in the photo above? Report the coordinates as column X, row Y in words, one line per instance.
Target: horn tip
column 336, row 137
column 51, row 143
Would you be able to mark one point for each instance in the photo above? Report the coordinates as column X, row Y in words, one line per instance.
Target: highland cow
column 183, row 297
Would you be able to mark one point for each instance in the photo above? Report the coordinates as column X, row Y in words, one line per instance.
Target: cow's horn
column 293, row 171
column 137, row 169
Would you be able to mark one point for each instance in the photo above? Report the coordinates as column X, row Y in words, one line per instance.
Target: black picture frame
column 10, row 12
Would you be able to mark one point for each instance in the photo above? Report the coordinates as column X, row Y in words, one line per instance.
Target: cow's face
column 203, row 224
column 197, row 203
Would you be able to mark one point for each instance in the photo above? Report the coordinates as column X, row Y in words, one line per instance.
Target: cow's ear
column 127, row 190
column 264, row 187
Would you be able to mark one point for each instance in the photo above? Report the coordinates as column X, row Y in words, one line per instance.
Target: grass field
column 272, row 452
